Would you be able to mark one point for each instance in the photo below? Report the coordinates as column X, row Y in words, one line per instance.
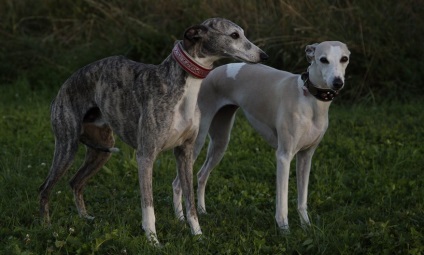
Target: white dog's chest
column 185, row 120
column 311, row 133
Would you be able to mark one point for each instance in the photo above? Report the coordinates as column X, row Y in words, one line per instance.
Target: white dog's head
column 328, row 62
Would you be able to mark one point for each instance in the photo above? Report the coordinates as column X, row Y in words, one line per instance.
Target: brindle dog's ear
column 193, row 34
column 310, row 52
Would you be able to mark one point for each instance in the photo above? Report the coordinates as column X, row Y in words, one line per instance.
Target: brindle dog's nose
column 263, row 56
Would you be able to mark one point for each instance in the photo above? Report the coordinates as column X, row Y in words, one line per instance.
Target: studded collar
column 325, row 95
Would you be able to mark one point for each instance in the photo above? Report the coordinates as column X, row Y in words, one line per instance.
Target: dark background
column 45, row 41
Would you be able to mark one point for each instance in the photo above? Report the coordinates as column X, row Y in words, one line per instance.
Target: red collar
column 188, row 63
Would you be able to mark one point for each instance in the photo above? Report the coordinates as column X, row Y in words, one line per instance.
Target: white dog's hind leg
column 219, row 133
column 216, row 151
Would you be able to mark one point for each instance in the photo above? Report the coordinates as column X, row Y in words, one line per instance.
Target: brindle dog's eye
column 344, row 59
column 235, row 35
column 324, row 60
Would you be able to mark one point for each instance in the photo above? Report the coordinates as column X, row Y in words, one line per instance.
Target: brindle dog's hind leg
column 97, row 140
column 63, row 158
column 66, row 133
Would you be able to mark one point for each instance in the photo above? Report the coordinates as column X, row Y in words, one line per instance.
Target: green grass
column 366, row 191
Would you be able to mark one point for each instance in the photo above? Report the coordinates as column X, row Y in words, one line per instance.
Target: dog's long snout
column 338, row 83
column 263, row 56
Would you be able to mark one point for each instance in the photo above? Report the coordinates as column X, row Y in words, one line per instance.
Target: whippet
column 289, row 111
column 150, row 107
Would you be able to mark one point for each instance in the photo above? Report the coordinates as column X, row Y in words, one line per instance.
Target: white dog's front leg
column 303, row 169
column 283, row 169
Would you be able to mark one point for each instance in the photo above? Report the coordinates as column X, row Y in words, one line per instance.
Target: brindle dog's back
column 120, row 89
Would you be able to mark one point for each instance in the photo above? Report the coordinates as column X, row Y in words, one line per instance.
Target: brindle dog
column 150, row 107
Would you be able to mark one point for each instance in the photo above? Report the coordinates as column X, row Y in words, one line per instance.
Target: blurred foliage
column 45, row 41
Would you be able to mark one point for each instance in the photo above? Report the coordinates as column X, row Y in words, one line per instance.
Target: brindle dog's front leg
column 184, row 156
column 145, row 160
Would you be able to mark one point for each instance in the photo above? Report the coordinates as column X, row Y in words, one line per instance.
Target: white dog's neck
column 316, row 78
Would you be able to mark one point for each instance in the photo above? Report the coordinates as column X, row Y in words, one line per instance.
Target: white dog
column 290, row 111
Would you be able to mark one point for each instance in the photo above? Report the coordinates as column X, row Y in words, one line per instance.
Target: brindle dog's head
column 218, row 38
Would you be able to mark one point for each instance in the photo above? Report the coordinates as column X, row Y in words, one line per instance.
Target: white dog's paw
column 284, row 229
column 201, row 210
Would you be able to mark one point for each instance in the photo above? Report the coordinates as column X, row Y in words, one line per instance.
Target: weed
column 365, row 194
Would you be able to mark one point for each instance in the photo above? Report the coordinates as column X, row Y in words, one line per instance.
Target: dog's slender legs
column 145, row 174
column 63, row 157
column 219, row 133
column 177, row 198
column 283, row 169
column 94, row 160
column 184, row 156
column 303, row 168
column 176, row 184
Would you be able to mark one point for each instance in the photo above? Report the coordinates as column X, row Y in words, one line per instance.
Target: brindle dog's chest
column 165, row 113
column 185, row 117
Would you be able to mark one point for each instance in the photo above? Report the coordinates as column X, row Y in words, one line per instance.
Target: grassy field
column 366, row 190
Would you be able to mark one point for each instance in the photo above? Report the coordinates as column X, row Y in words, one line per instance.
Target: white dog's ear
column 193, row 34
column 310, row 52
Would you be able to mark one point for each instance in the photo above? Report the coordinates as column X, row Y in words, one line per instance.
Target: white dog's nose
column 338, row 83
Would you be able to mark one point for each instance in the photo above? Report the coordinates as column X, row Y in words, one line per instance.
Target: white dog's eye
column 344, row 59
column 324, row 60
column 235, row 35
